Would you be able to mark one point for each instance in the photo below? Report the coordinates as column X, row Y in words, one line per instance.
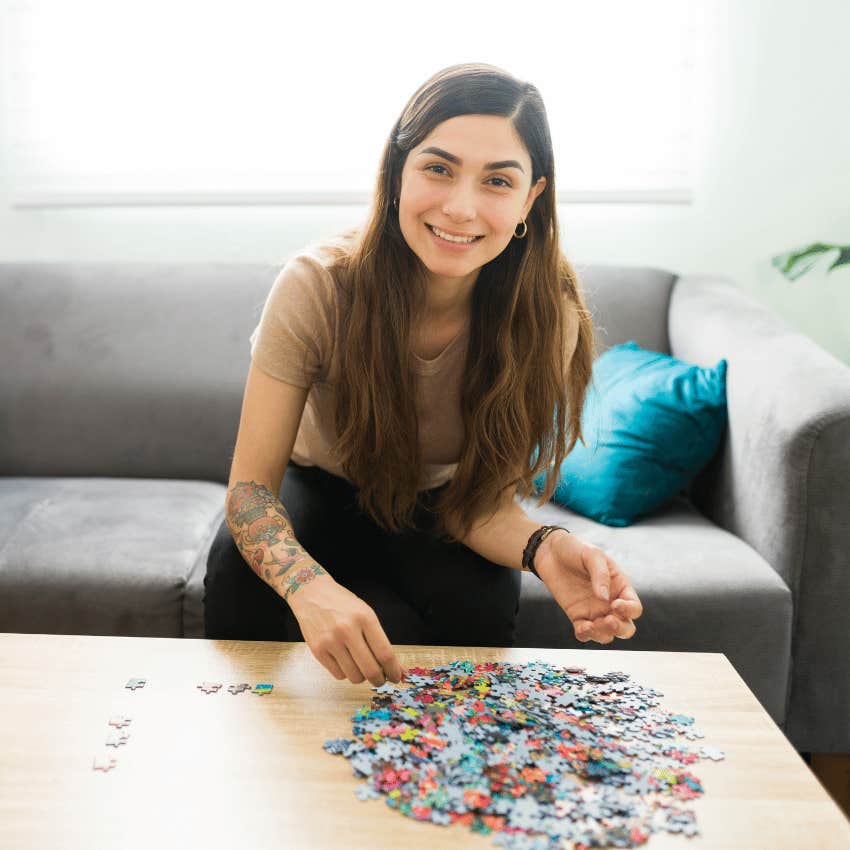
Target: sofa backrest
column 138, row 369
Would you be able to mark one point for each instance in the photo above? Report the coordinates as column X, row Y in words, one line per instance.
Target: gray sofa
column 122, row 385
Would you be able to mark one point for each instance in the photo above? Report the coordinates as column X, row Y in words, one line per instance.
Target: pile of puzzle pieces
column 542, row 756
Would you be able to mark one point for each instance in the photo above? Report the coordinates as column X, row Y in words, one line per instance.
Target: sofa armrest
column 781, row 481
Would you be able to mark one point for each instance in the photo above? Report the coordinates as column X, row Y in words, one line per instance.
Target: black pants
column 423, row 590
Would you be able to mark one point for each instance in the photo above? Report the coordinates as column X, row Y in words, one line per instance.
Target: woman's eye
column 502, row 184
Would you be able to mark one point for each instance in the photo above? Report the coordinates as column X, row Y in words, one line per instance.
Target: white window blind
column 252, row 102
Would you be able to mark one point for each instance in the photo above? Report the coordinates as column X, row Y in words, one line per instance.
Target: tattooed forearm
column 303, row 575
column 262, row 531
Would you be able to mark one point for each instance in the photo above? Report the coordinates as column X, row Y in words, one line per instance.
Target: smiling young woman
column 409, row 378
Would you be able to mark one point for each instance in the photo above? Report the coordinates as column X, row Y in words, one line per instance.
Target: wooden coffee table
column 224, row 770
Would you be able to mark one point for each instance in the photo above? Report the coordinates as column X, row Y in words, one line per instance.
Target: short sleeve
column 291, row 340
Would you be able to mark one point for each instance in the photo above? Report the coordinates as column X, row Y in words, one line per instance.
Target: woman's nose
column 460, row 203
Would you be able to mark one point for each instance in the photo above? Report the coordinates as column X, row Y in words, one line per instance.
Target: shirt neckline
column 427, row 366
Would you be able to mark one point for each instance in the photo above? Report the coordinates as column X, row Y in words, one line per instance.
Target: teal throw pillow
column 651, row 423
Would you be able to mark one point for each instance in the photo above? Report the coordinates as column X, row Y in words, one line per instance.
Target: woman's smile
column 450, row 244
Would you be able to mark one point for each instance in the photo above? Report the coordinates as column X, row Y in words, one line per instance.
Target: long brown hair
column 521, row 393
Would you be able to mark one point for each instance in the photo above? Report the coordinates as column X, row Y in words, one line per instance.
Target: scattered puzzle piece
column 119, row 721
column 134, row 684
column 116, row 739
column 104, row 763
column 262, row 689
column 712, row 753
column 210, row 687
column 238, row 689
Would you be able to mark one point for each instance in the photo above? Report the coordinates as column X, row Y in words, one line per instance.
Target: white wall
column 773, row 174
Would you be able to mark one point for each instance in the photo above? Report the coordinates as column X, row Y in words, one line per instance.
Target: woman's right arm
column 341, row 629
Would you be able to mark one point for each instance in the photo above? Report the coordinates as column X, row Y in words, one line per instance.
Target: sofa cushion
column 651, row 424
column 702, row 590
column 105, row 556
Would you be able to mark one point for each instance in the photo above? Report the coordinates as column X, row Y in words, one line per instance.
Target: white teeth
column 449, row 238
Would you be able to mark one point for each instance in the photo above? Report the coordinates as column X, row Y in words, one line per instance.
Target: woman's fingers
column 596, row 564
column 627, row 608
column 581, row 629
column 343, row 657
column 367, row 662
column 329, row 663
column 604, row 629
column 622, row 628
column 376, row 648
column 598, row 630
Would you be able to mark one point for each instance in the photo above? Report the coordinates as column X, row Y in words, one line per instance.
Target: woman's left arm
column 576, row 573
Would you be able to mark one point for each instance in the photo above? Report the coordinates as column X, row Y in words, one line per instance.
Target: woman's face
column 479, row 185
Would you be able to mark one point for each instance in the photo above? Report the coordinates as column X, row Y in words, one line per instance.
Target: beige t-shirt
column 296, row 342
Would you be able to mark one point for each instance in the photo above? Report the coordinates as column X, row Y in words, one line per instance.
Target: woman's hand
column 343, row 633
column 577, row 574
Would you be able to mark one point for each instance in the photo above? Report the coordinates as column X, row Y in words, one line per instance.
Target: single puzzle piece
column 262, row 689
column 712, row 753
column 119, row 721
column 104, row 763
column 210, row 687
column 135, row 684
column 116, row 739
column 238, row 689
column 364, row 791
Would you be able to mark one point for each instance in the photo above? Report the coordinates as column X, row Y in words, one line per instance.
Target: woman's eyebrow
column 490, row 166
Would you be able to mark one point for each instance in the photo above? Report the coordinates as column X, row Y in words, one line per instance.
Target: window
column 219, row 102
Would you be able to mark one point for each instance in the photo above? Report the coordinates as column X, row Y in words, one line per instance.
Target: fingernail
column 605, row 593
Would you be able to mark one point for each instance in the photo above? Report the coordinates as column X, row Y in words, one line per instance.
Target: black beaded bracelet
column 533, row 542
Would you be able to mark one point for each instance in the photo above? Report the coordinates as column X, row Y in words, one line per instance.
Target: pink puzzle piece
column 119, row 721
column 210, row 687
column 104, row 763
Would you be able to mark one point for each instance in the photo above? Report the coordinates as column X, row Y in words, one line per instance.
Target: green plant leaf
column 795, row 264
column 843, row 258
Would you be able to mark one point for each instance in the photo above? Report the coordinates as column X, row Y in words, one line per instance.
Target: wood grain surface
column 222, row 771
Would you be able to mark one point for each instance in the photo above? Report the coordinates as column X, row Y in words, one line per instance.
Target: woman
column 408, row 380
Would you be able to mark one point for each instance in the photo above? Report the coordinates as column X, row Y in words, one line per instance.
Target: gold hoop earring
column 524, row 231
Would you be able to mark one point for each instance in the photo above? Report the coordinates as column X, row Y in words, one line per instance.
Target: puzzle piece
column 262, row 689
column 119, row 721
column 210, row 687
column 238, row 689
column 712, row 753
column 135, row 684
column 104, row 763
column 116, row 739
column 364, row 791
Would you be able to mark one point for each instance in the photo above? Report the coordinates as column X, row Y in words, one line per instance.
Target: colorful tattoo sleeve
column 262, row 531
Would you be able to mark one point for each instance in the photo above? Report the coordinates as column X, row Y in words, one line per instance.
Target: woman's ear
column 533, row 194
